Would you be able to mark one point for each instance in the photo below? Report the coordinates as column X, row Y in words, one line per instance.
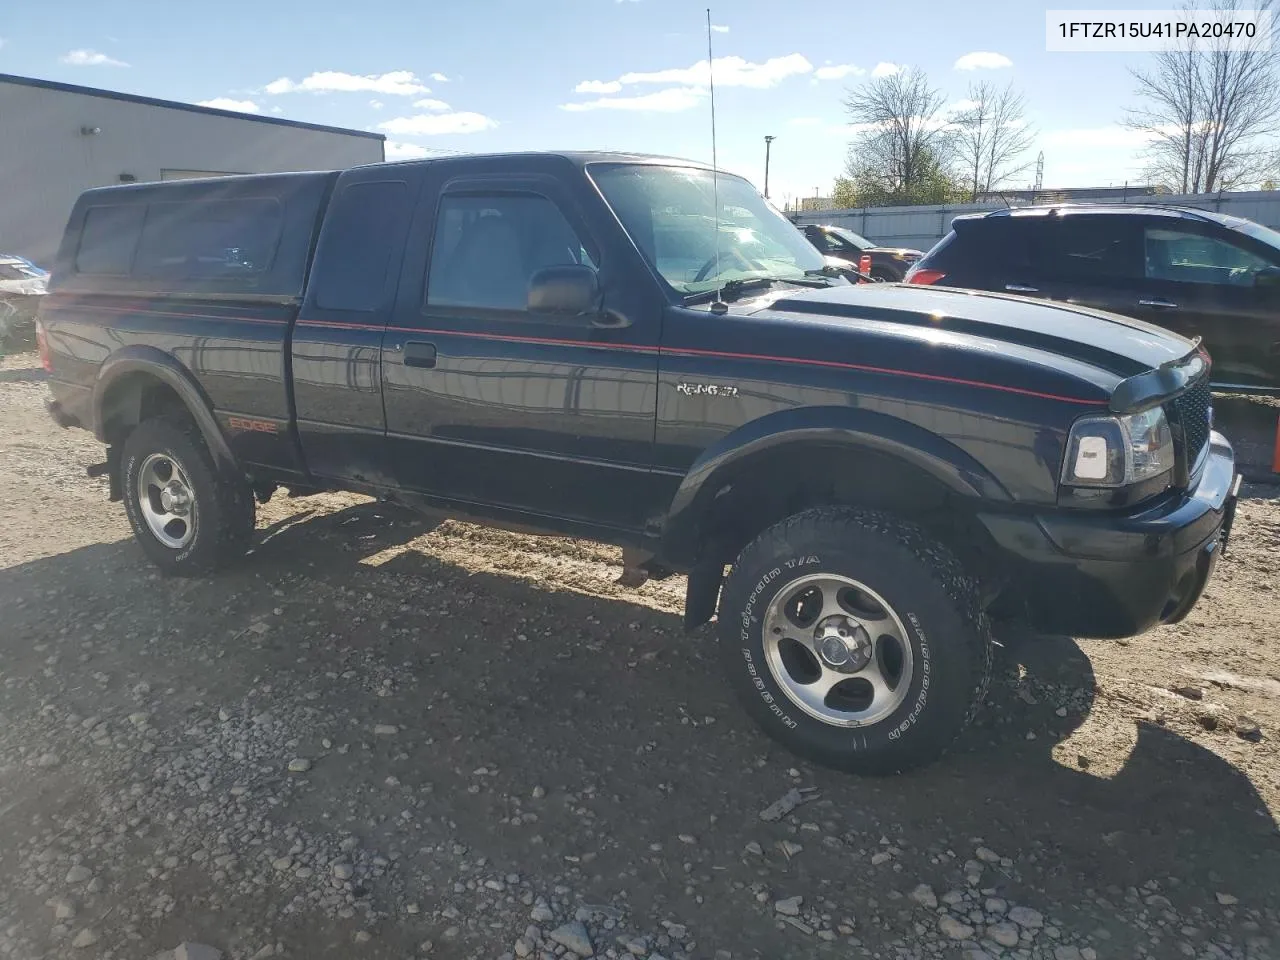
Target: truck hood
column 1119, row 345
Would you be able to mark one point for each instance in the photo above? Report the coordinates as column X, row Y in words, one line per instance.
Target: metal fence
column 922, row 227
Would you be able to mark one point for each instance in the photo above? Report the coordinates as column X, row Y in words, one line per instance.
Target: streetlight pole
column 768, row 142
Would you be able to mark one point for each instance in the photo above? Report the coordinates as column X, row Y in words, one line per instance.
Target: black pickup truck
column 858, row 478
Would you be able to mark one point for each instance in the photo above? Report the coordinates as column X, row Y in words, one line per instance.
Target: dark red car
column 887, row 263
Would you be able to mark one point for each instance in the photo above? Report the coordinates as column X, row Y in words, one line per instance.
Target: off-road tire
column 224, row 514
column 919, row 579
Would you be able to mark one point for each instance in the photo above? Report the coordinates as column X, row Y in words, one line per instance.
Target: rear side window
column 215, row 240
column 1087, row 248
column 363, row 229
column 109, row 240
column 1184, row 256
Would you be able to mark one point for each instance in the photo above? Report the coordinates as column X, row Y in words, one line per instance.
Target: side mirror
column 568, row 291
column 1268, row 278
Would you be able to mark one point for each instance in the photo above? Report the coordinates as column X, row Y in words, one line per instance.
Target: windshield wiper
column 732, row 289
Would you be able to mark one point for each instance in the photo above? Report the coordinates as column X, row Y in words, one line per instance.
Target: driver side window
column 1186, row 257
column 488, row 246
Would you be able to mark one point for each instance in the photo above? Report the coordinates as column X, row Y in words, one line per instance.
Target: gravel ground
column 383, row 738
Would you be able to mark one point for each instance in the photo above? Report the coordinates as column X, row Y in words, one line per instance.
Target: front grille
column 1191, row 413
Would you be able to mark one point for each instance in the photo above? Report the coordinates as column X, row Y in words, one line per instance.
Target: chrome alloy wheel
column 838, row 651
column 166, row 500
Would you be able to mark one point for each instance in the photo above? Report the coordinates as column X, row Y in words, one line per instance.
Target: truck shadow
column 565, row 689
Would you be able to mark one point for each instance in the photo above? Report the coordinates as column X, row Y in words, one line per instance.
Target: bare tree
column 1209, row 112
column 903, row 152
column 991, row 136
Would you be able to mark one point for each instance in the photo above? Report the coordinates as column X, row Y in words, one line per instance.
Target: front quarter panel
column 730, row 382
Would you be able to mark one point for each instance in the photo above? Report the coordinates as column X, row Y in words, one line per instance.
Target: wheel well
column 767, row 488
column 134, row 398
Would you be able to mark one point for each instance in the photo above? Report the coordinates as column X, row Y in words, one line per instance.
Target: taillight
column 926, row 277
column 864, row 264
column 42, row 344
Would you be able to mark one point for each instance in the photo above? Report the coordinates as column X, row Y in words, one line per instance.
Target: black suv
column 1197, row 273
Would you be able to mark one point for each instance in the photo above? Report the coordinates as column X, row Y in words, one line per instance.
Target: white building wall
column 48, row 157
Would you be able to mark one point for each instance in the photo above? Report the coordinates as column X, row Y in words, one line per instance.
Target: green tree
column 905, row 149
column 845, row 194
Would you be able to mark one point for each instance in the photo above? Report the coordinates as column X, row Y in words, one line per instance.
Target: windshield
column 669, row 213
column 857, row 240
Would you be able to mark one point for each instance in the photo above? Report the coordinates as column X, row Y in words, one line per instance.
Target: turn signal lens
column 926, row 277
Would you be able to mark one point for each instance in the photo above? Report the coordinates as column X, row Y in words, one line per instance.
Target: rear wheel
column 855, row 640
column 186, row 517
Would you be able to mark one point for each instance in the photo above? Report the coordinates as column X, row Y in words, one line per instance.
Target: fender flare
column 138, row 358
column 834, row 426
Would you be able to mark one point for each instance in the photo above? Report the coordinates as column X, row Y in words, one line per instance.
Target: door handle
column 1158, row 304
column 1020, row 288
column 419, row 354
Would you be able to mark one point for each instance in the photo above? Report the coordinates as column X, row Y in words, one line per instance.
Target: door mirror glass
column 566, row 291
column 1268, row 278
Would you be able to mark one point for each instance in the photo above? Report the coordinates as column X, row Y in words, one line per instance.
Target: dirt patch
column 497, row 750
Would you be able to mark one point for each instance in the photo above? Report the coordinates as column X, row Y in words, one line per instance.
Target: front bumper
column 1117, row 575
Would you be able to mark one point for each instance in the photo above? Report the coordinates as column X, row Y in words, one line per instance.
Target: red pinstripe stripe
column 133, row 311
column 886, row 370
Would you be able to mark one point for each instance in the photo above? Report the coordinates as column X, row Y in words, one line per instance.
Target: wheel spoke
column 815, row 694
column 831, row 600
column 880, row 689
column 151, row 475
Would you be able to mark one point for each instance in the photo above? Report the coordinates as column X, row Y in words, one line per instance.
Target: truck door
column 1202, row 281
column 337, row 340
column 494, row 407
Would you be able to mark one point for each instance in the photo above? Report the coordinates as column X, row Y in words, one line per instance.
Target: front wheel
column 854, row 640
column 187, row 518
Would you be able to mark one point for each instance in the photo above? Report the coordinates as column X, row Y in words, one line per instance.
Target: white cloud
column 396, row 83
column 983, row 60
column 226, row 103
column 806, row 121
column 598, row 86
column 377, row 104
column 277, row 109
column 672, row 100
column 838, row 71
column 885, row 69
column 439, row 78
column 430, row 125
column 397, row 150
column 729, row 72
column 90, row 58
column 435, row 106
column 960, row 106
column 719, row 28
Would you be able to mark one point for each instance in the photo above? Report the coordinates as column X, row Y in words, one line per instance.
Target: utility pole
column 768, row 142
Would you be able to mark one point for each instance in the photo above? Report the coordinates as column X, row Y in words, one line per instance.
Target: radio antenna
column 718, row 305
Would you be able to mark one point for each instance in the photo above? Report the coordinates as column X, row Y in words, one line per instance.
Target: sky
column 494, row 75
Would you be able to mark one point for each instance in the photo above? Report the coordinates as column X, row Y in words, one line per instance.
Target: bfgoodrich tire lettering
column 220, row 512
column 895, row 575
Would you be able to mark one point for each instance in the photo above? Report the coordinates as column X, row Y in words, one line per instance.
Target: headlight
column 1117, row 451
